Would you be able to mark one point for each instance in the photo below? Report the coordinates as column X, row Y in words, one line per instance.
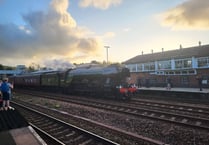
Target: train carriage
column 50, row 81
column 26, row 81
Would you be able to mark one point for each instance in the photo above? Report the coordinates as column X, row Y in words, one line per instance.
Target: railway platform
column 189, row 94
column 15, row 130
column 195, row 90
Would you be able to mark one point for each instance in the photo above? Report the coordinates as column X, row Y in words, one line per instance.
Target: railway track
column 165, row 115
column 173, row 98
column 157, row 111
column 180, row 108
column 63, row 133
column 55, row 130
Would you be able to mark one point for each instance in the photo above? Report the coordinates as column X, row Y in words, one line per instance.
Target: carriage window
column 69, row 79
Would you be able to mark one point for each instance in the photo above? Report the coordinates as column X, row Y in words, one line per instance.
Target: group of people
column 5, row 93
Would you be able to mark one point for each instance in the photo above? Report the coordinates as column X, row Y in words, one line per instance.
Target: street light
column 107, row 51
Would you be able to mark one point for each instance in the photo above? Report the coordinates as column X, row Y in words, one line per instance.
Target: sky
column 63, row 32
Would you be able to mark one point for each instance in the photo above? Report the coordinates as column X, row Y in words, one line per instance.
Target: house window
column 183, row 63
column 149, row 66
column 187, row 63
column 162, row 65
column 139, row 67
column 132, row 67
column 203, row 62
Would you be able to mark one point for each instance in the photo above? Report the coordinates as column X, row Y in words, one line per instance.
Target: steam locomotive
column 98, row 81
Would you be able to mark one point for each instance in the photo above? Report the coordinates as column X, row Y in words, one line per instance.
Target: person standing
column 199, row 78
column 1, row 96
column 139, row 83
column 168, row 83
column 6, row 90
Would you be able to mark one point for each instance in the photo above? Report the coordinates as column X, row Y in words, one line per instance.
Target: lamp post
column 107, row 51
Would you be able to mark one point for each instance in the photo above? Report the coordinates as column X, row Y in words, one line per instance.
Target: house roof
column 197, row 51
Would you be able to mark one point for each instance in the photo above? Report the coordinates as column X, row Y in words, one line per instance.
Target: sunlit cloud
column 126, row 29
column 109, row 35
column 59, row 8
column 192, row 14
column 100, row 4
column 52, row 33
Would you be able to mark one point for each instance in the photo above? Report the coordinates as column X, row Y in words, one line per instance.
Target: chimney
column 199, row 43
column 180, row 46
column 162, row 49
column 152, row 51
column 142, row 52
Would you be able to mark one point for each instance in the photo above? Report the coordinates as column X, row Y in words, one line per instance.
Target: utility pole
column 107, row 47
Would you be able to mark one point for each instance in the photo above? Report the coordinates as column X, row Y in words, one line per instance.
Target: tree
column 33, row 67
column 1, row 67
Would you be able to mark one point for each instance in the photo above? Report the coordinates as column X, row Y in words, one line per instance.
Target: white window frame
column 207, row 62
column 182, row 63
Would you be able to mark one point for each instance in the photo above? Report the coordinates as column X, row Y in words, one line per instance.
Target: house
column 182, row 66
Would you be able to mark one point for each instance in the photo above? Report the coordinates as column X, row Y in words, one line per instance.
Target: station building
column 183, row 66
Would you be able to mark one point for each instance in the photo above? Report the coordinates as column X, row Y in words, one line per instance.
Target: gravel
column 163, row 131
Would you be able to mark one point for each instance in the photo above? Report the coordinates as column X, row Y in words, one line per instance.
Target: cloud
column 100, row 4
column 192, row 14
column 46, row 34
column 108, row 35
column 126, row 29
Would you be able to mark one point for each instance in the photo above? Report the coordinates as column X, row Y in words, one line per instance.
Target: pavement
column 196, row 90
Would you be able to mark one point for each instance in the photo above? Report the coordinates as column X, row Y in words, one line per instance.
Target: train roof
column 37, row 73
column 93, row 70
column 44, row 71
column 82, row 70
